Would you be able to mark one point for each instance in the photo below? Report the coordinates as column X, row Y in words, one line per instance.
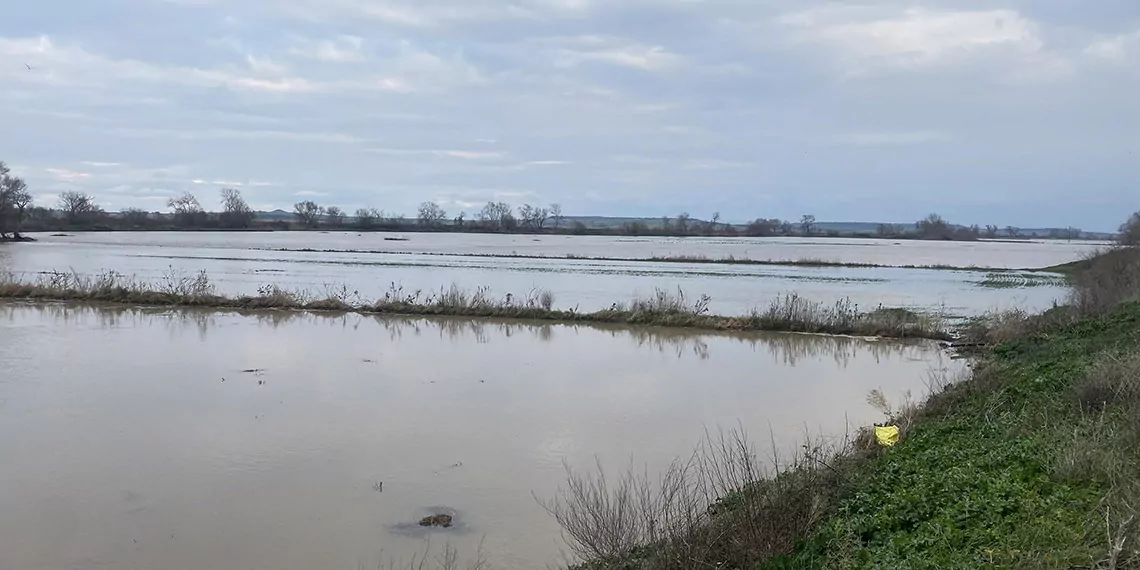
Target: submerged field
column 198, row 401
column 188, row 439
column 822, row 270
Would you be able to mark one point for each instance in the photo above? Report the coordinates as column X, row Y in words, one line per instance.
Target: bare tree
column 236, row 213
column 77, row 205
column 1130, row 231
column 807, row 224
column 459, row 219
column 308, row 213
column 761, row 227
column 14, row 202
column 1012, row 231
column 682, row 223
column 556, row 215
column 366, row 218
column 334, row 216
column 933, row 227
column 135, row 217
column 533, row 217
column 991, row 231
column 497, row 215
column 714, row 223
column 431, row 214
column 187, row 211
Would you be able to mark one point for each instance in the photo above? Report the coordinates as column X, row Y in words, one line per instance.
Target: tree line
column 79, row 210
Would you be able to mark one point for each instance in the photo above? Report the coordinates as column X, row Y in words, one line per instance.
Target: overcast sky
column 1017, row 112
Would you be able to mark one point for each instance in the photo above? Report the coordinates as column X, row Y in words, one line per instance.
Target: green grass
column 987, row 475
column 1032, row 462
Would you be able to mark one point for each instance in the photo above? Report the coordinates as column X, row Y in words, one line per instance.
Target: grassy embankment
column 790, row 313
column 1033, row 461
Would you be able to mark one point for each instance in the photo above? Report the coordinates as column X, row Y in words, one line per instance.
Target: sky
column 1020, row 112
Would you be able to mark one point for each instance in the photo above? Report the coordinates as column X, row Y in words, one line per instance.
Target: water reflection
column 140, row 424
column 783, row 348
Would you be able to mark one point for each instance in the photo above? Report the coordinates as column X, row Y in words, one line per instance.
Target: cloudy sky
column 1021, row 112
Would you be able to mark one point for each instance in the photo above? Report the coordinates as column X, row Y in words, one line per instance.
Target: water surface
column 126, row 449
column 239, row 263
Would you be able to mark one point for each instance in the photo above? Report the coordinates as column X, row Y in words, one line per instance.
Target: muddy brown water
column 124, row 448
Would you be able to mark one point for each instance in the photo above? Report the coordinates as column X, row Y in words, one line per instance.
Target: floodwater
column 371, row 263
column 132, row 438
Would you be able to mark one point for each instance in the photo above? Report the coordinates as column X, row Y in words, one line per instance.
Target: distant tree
column 366, row 218
column 334, row 216
column 1071, row 233
column 556, row 215
column 761, row 227
column 77, row 206
column 807, row 224
column 578, row 228
column 459, row 219
column 235, row 212
column 786, row 228
column 682, row 223
column 14, row 202
column 1011, row 231
column 497, row 215
column 1130, row 231
column 135, row 217
column 666, row 224
column 308, row 213
column 634, row 228
column 187, row 211
column 890, row 230
column 933, row 227
column 431, row 214
column 533, row 217
column 991, row 231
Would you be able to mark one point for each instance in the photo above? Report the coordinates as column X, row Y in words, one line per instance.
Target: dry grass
column 1106, row 279
column 790, row 312
column 723, row 507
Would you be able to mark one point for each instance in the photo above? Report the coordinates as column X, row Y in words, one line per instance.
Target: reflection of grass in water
column 785, row 313
column 789, row 349
column 1010, row 280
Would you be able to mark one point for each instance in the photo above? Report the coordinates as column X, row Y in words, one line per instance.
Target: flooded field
column 371, row 263
column 188, row 440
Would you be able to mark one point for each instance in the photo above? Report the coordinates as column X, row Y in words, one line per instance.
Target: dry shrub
column 1106, row 279
column 1112, row 381
column 722, row 507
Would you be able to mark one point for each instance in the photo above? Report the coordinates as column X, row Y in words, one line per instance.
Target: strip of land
column 786, row 313
column 727, row 260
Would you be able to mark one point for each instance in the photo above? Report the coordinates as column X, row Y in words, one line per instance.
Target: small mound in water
column 437, row 521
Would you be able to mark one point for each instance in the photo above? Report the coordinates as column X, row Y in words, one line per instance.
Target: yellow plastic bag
column 887, row 435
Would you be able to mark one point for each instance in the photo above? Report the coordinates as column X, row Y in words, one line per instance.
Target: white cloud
column 1115, row 48
column 866, row 39
column 98, row 164
column 891, row 138
column 469, row 154
column 310, row 193
column 236, row 134
column 409, row 69
column 341, row 49
column 67, row 175
column 573, row 51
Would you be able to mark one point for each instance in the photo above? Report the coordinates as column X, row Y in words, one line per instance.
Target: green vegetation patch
column 1019, row 467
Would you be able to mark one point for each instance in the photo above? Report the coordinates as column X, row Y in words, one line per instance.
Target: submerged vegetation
column 790, row 313
column 1032, row 461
